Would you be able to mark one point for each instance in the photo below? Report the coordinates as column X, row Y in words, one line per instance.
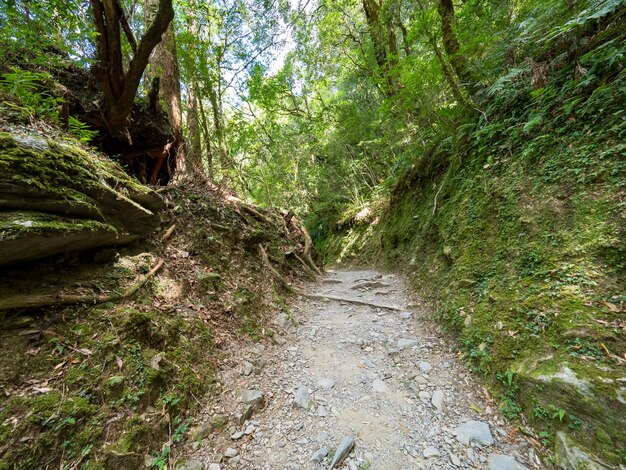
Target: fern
column 81, row 130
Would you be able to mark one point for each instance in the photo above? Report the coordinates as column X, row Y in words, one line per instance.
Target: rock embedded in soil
column 231, row 453
column 425, row 367
column 191, row 465
column 302, row 398
column 345, row 447
column 474, row 431
column 325, row 384
column 404, row 343
column 201, row 431
column 319, row 455
column 430, row 452
column 503, row 462
column 437, row 399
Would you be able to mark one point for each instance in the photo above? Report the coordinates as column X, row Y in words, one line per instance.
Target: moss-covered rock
column 57, row 197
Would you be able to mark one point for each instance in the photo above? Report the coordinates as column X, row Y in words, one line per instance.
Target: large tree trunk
column 164, row 64
column 119, row 85
column 452, row 47
column 193, row 153
column 383, row 37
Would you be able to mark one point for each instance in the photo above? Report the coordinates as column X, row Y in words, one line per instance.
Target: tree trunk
column 452, row 47
column 164, row 64
column 193, row 152
column 119, row 86
column 383, row 37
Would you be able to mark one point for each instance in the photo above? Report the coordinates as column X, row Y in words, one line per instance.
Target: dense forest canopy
column 307, row 103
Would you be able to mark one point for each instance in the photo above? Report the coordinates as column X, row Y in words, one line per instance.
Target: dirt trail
column 386, row 378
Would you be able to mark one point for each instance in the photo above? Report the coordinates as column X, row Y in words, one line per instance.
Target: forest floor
column 387, row 378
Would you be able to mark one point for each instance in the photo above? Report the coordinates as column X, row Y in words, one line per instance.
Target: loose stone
column 345, row 446
column 302, row 398
column 430, row 452
column 503, row 462
column 319, row 455
column 474, row 431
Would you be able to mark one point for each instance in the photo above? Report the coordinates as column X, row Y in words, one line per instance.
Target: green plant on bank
column 29, row 96
column 510, row 408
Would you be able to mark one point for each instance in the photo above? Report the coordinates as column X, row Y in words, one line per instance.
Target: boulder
column 56, row 196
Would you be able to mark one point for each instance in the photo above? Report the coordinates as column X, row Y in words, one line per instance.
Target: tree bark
column 383, row 37
column 120, row 86
column 452, row 46
column 164, row 64
column 193, row 152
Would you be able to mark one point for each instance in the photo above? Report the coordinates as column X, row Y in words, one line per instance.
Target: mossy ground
column 515, row 232
column 116, row 385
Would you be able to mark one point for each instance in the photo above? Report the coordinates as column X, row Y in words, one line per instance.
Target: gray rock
column 404, row 343
column 191, row 465
column 302, row 398
column 430, row 452
column 405, row 315
column 455, row 460
column 344, row 448
column 503, row 462
column 283, row 321
column 214, row 466
column 379, row 386
column 298, row 426
column 437, row 399
column 319, row 455
column 468, row 321
column 571, row 457
column 253, row 397
column 325, row 384
column 291, row 466
column 247, row 368
column 201, row 431
column 236, row 435
column 424, row 395
column 425, row 367
column 474, row 431
column 231, row 453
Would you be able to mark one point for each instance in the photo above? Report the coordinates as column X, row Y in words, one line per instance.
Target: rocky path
column 358, row 387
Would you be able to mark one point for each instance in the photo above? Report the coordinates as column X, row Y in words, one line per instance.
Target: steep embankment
column 514, row 228
column 114, row 384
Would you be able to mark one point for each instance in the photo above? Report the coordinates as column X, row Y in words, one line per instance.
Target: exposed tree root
column 275, row 273
column 351, row 301
column 45, row 300
column 308, row 244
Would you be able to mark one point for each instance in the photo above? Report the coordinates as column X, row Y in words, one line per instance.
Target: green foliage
column 28, row 95
column 81, row 130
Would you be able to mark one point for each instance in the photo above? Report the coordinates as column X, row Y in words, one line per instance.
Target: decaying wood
column 44, row 300
column 351, row 301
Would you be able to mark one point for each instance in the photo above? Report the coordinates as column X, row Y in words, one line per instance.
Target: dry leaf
column 119, row 362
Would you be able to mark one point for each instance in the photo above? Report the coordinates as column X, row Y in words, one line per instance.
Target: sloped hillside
column 111, row 379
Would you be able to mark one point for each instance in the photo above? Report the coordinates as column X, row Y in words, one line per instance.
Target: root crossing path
column 381, row 386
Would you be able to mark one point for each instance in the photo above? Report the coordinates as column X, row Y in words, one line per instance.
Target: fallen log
column 45, row 300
